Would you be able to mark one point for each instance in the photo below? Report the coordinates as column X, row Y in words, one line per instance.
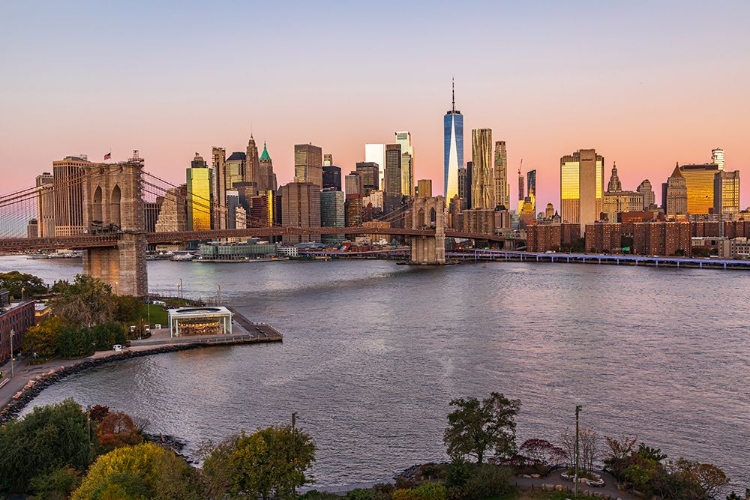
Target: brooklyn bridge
column 102, row 209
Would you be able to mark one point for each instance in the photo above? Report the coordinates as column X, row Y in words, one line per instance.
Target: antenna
column 453, row 93
column 519, row 168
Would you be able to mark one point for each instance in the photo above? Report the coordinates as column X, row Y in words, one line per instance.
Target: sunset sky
column 646, row 83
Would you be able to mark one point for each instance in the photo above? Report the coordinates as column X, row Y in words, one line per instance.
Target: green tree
column 270, row 463
column 105, row 335
column 48, row 438
column 138, row 472
column 127, row 308
column 56, row 485
column 43, row 339
column 22, row 285
column 478, row 427
column 86, row 302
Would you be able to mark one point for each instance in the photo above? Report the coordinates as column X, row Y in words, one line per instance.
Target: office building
column 617, row 201
column 403, row 139
column 717, row 158
column 173, row 214
column 677, row 194
column 67, row 182
column 45, row 205
column 424, row 188
column 232, row 204
column 464, row 185
column 331, row 177
column 581, row 187
column 199, row 195
column 218, row 162
column 266, row 175
column 482, row 178
column 392, row 177
column 375, row 153
column 727, row 193
column 370, row 173
column 699, row 181
column 327, row 160
column 300, row 207
column 332, row 214
column 151, row 211
column 15, row 317
column 353, row 185
column 531, row 189
column 234, row 168
column 252, row 164
column 502, row 188
column 453, row 148
column 308, row 164
column 649, row 198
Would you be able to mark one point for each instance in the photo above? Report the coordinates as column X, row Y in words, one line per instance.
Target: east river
column 373, row 352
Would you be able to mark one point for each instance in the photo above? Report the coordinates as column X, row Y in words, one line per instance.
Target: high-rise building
column 393, row 170
column 218, row 161
column 521, row 189
column 502, row 196
column 375, row 153
column 308, row 164
column 464, row 185
column 531, row 189
column 233, row 203
column 617, row 201
column 649, row 198
column 67, row 183
column 727, row 193
column 198, row 195
column 173, row 213
column 234, row 168
column 353, row 185
column 407, row 162
column 717, row 158
column 699, row 180
column 267, row 178
column 331, row 177
column 370, row 176
column 482, row 178
column 581, row 187
column 332, row 214
column 677, row 194
column 327, row 160
column 45, row 205
column 424, row 188
column 300, row 207
column 453, row 148
column 252, row 164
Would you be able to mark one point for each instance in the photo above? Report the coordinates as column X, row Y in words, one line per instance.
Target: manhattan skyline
column 645, row 85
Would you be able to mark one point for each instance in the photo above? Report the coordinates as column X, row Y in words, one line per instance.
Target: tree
column 21, row 285
column 270, row 463
column 476, row 428
column 48, row 438
column 117, row 429
column 542, row 453
column 706, row 480
column 43, row 339
column 86, row 302
column 135, row 472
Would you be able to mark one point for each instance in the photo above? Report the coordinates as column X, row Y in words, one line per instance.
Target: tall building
column 331, row 177
column 581, row 187
column 234, row 168
column 727, row 193
column 370, row 172
column 502, row 195
column 353, row 185
column 173, row 213
column 717, row 158
column 618, row 201
column 403, row 139
column 531, row 189
column 218, row 161
column 252, row 164
column 482, row 178
column 424, row 188
column 198, row 195
column 67, row 181
column 453, row 148
column 327, row 160
column 521, row 189
column 308, row 164
column 677, row 194
column 392, row 177
column 464, row 185
column 267, row 178
column 233, row 203
column 300, row 207
column 45, row 205
column 699, row 180
column 375, row 153
column 649, row 198
column 332, row 214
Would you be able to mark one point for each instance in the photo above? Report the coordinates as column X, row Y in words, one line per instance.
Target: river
column 373, row 352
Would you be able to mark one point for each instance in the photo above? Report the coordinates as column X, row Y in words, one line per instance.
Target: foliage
column 143, row 471
column 476, row 428
column 425, row 491
column 542, row 453
column 105, row 335
column 22, row 285
column 127, row 308
column 270, row 463
column 45, row 440
column 588, row 446
column 43, row 338
column 488, row 481
column 98, row 412
column 86, row 302
column 324, row 495
column 75, row 342
column 56, row 485
column 117, row 429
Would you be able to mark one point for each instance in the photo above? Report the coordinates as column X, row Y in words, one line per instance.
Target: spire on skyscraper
column 453, row 93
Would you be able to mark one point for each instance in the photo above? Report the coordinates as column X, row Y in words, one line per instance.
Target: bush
column 488, row 481
column 426, row 491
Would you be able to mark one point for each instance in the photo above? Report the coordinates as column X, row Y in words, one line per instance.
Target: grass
column 157, row 313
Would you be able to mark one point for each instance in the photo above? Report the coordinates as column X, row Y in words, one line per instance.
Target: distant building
column 68, row 194
column 151, row 211
column 252, row 165
column 235, row 167
column 332, row 214
column 677, row 194
column 424, row 188
column 173, row 215
column 375, row 153
column 45, row 205
column 403, row 139
column 649, row 198
column 617, row 201
column 218, row 162
column 502, row 188
column 482, row 178
column 392, row 177
column 353, row 185
column 727, row 193
column 464, row 186
column 453, row 148
column 266, row 175
column 699, row 182
column 531, row 189
column 717, row 158
column 581, row 186
column 308, row 164
column 199, row 195
column 32, row 229
column 331, row 177
column 327, row 161
column 300, row 207
column 370, row 172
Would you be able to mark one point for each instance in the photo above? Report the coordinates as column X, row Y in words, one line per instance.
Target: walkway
column 555, row 479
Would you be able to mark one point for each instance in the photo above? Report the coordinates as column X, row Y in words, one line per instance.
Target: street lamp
column 218, row 295
column 12, row 334
column 575, row 475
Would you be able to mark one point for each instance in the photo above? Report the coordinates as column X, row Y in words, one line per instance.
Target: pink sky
column 647, row 86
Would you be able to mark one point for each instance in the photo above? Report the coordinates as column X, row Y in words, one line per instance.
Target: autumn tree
column 143, row 471
column 478, row 427
column 43, row 339
column 542, row 453
column 85, row 302
column 117, row 429
column 270, row 463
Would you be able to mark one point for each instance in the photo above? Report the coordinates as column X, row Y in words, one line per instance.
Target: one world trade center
column 453, row 158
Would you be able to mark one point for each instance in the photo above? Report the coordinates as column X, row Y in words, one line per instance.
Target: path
column 555, row 479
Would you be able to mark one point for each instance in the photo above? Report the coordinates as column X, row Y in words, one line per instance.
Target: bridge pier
column 426, row 213
column 122, row 267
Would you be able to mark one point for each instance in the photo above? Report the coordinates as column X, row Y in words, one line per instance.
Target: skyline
column 658, row 82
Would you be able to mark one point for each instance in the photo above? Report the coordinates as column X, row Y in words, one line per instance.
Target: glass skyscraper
column 453, row 157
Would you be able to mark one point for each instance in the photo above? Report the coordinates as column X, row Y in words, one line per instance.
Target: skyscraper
column 308, row 164
column 327, row 160
column 375, row 153
column 699, row 180
column 424, row 188
column 464, row 185
column 67, row 183
column 332, row 214
column 649, row 198
column 531, row 188
column 198, row 195
column 300, row 207
column 331, row 177
column 392, row 177
column 234, row 168
column 482, row 178
column 252, row 164
column 218, row 161
column 677, row 193
column 727, row 193
column 407, row 162
column 502, row 196
column 717, row 157
column 453, row 148
column 45, row 205
column 581, row 187
column 267, row 178
column 370, row 173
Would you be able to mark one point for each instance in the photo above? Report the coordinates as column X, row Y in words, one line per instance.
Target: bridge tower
column 428, row 213
column 113, row 202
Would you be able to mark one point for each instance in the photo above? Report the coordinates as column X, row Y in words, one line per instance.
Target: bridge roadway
column 84, row 241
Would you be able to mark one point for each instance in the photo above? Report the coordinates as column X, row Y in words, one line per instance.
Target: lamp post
column 575, row 474
column 12, row 334
column 180, row 289
column 218, row 295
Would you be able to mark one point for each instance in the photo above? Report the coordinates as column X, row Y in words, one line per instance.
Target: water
column 373, row 352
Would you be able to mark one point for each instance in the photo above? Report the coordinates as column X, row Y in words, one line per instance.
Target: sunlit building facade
column 199, row 195
column 699, row 180
column 482, row 178
column 375, row 153
column 308, row 164
column 502, row 188
column 453, row 149
column 581, row 187
column 727, row 193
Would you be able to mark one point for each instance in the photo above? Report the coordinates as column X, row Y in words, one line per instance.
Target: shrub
column 488, row 481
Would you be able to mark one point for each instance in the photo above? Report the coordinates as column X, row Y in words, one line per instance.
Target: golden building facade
column 482, row 178
column 699, row 181
column 199, row 195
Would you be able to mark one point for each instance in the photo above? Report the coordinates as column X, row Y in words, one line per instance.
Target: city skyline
column 651, row 99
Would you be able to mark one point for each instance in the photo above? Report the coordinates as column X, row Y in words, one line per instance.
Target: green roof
column 264, row 156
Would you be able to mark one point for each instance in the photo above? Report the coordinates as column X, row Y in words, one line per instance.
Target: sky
column 645, row 83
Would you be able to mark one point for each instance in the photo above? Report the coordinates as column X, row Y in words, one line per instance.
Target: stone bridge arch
column 428, row 249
